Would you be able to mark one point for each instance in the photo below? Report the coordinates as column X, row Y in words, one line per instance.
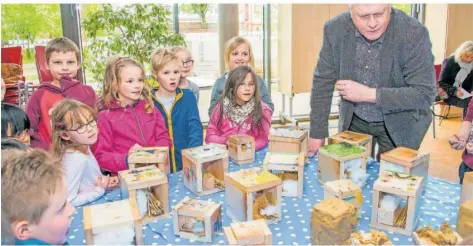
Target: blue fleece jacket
column 183, row 124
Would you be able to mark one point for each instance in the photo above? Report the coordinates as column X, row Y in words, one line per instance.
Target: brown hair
column 231, row 45
column 235, row 79
column 160, row 58
column 112, row 78
column 61, row 44
column 29, row 179
column 66, row 114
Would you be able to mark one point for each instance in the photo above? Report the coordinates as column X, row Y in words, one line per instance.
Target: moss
column 343, row 149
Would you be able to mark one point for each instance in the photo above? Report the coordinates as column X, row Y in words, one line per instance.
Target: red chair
column 44, row 74
column 12, row 55
column 15, row 86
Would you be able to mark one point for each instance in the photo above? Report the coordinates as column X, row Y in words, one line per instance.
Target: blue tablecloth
column 440, row 202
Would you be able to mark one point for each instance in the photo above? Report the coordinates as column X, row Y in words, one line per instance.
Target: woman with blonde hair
column 456, row 77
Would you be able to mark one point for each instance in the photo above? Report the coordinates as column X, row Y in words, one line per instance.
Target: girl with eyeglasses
column 187, row 64
column 15, row 123
column 74, row 130
column 240, row 109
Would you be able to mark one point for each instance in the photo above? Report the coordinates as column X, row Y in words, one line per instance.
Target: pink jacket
column 216, row 134
column 122, row 127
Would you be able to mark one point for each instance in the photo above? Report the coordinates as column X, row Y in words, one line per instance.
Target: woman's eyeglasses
column 188, row 63
column 83, row 128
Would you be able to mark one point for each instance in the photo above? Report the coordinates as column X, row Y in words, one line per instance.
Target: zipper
column 139, row 126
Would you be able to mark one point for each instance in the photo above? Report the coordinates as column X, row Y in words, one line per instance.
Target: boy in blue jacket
column 178, row 106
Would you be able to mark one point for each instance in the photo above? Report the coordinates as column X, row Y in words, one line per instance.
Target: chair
column 44, row 75
column 12, row 55
column 12, row 73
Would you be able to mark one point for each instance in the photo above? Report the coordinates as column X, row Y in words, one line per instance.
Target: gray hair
column 465, row 47
column 351, row 5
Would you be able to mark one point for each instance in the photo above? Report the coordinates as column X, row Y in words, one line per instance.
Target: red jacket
column 122, row 127
column 216, row 134
column 44, row 99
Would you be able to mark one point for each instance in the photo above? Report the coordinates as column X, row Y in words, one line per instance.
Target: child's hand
column 102, row 181
column 469, row 148
column 113, row 183
column 459, row 93
column 136, row 146
column 456, row 142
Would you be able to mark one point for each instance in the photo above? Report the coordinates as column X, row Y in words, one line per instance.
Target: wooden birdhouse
column 253, row 194
column 359, row 139
column 254, row 232
column 149, row 186
column 465, row 219
column 241, row 148
column 288, row 141
column 346, row 190
column 467, row 188
column 105, row 218
column 405, row 160
column 158, row 156
column 196, row 219
column 332, row 222
column 204, row 168
column 338, row 161
column 289, row 168
column 396, row 202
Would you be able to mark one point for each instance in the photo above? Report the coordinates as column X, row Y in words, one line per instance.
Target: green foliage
column 406, row 8
column 200, row 9
column 31, row 21
column 343, row 149
column 133, row 30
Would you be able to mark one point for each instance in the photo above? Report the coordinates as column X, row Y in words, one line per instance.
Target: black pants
column 461, row 103
column 377, row 130
column 462, row 170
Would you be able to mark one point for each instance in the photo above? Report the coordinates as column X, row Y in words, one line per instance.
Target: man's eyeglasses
column 83, row 128
column 188, row 63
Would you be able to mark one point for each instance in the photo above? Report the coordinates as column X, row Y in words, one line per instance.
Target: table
column 440, row 202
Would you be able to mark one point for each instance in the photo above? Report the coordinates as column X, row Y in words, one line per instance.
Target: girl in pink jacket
column 240, row 110
column 127, row 118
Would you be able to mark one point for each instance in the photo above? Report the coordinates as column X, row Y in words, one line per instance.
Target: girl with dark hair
column 15, row 123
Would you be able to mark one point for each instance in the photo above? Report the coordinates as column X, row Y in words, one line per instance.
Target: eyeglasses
column 83, row 128
column 252, row 85
column 188, row 63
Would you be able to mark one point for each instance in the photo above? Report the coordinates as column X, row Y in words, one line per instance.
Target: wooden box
column 354, row 138
column 146, row 156
column 288, row 141
column 373, row 237
column 467, row 188
column 289, row 167
column 146, row 182
column 332, row 222
column 405, row 160
column 254, row 232
column 346, row 190
column 196, row 219
column 204, row 168
column 111, row 216
column 465, row 219
column 407, row 187
column 334, row 166
column 241, row 148
column 251, row 192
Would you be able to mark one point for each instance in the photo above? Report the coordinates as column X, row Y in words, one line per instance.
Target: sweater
column 219, row 85
column 183, row 123
column 82, row 172
column 122, row 127
column 44, row 99
column 467, row 157
column 220, row 134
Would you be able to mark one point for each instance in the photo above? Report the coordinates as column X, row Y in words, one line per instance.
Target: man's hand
column 314, row 145
column 355, row 92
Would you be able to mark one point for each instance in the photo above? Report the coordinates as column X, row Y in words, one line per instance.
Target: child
column 15, row 123
column 35, row 210
column 464, row 139
column 187, row 64
column 127, row 118
column 237, row 53
column 240, row 110
column 62, row 57
column 74, row 130
column 177, row 106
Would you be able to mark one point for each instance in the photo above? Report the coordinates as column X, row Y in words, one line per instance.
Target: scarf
column 465, row 69
column 236, row 112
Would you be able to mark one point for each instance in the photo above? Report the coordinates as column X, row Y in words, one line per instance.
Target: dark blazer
column 449, row 71
column 406, row 86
